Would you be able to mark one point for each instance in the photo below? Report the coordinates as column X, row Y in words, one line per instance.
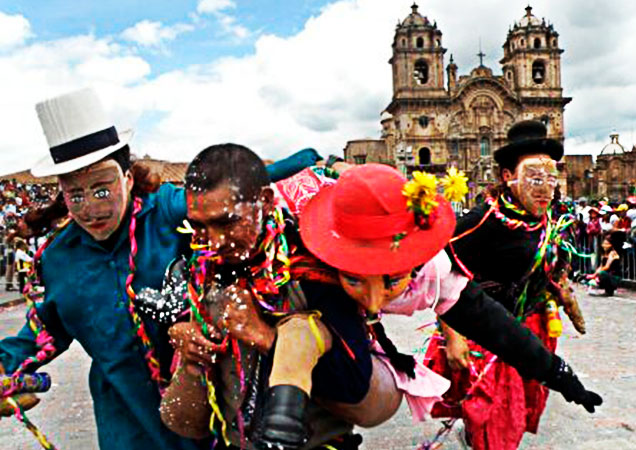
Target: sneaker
column 594, row 292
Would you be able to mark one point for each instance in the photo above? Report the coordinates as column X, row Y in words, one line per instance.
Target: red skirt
column 503, row 405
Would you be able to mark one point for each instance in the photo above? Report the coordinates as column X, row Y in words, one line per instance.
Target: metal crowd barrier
column 592, row 245
column 629, row 260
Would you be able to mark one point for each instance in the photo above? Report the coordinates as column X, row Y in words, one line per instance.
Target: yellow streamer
column 44, row 442
column 186, row 228
column 313, row 326
column 216, row 412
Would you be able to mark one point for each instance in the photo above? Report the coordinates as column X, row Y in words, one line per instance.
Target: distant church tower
column 532, row 67
column 418, row 58
column 418, row 80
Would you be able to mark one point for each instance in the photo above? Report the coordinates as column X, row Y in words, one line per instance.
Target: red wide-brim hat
column 362, row 225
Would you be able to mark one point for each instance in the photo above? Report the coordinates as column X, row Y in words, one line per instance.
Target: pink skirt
column 421, row 392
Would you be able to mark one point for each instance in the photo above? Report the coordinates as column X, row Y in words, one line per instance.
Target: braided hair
column 400, row 361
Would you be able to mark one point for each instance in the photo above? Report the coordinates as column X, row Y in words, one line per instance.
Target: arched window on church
column 403, row 42
column 421, row 72
column 419, row 42
column 537, row 43
column 522, row 43
column 554, row 42
column 484, row 146
column 424, row 155
column 538, row 72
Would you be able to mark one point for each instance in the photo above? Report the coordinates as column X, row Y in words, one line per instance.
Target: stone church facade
column 438, row 119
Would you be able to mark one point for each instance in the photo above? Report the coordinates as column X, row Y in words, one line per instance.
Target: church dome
column 415, row 19
column 614, row 147
column 481, row 71
column 529, row 19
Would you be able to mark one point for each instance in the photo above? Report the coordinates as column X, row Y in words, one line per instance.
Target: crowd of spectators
column 16, row 200
column 596, row 222
column 606, row 231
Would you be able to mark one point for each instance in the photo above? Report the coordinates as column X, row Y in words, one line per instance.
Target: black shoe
column 283, row 422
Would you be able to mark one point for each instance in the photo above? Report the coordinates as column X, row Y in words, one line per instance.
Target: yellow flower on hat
column 420, row 193
column 455, row 185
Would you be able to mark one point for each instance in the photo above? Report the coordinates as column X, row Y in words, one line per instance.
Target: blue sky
column 54, row 19
column 281, row 75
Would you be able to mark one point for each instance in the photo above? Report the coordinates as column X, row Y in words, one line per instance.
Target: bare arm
column 613, row 256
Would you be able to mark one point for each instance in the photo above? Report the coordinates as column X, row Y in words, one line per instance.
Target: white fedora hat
column 78, row 132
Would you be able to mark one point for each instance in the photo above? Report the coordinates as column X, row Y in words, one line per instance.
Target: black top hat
column 527, row 137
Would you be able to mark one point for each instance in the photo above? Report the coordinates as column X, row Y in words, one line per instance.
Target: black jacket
column 500, row 258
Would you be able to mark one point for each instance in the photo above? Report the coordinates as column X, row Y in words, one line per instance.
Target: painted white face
column 533, row 183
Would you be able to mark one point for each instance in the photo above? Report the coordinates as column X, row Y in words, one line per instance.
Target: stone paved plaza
column 604, row 359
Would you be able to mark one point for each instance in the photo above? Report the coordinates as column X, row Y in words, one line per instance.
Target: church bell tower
column 532, row 58
column 418, row 58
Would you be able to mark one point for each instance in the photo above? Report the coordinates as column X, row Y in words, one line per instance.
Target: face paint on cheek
column 97, row 200
column 398, row 287
column 534, row 184
column 358, row 294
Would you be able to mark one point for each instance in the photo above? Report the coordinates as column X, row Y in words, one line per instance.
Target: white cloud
column 320, row 87
column 46, row 69
column 214, row 6
column 328, row 83
column 14, row 30
column 229, row 25
column 152, row 34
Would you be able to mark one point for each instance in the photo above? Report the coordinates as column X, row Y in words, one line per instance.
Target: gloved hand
column 563, row 379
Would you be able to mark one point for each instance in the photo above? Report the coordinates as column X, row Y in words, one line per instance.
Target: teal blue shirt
column 85, row 300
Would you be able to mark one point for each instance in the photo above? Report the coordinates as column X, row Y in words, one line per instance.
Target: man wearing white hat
column 118, row 240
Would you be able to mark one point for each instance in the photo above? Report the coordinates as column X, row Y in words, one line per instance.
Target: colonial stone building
column 580, row 172
column 613, row 176
column 437, row 118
